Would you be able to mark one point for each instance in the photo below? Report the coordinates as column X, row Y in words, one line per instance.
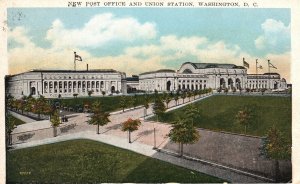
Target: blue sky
column 149, row 36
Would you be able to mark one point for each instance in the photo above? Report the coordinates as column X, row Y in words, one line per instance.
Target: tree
column 183, row 132
column 90, row 92
column 103, row 93
column 219, row 90
column 55, row 122
column 176, row 98
column 134, row 101
column 233, row 89
column 189, row 95
column 123, row 102
column 167, row 99
column 10, row 125
column 183, row 95
column 39, row 106
column 159, row 108
column 99, row 117
column 276, row 147
column 191, row 113
column 195, row 93
column 243, row 117
column 131, row 125
column 146, row 103
column 226, row 91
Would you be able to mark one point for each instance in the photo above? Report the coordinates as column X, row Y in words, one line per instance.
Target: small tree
column 159, row 108
column 189, row 95
column 219, row 90
column 176, row 98
column 183, row 132
column 99, row 117
column 123, row 102
column 167, row 99
column 10, row 125
column 226, row 91
column 90, row 92
column 146, row 103
column 191, row 113
column 195, row 93
column 55, row 122
column 233, row 89
column 243, row 117
column 183, row 95
column 134, row 101
column 103, row 93
column 131, row 125
column 276, row 147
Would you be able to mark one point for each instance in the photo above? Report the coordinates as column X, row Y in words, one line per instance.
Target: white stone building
column 194, row 76
column 266, row 81
column 65, row 83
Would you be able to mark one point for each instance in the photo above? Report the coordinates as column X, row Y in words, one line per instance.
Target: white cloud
column 99, row 30
column 135, row 60
column 275, row 38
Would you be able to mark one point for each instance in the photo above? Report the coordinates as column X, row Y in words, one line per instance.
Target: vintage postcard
column 149, row 91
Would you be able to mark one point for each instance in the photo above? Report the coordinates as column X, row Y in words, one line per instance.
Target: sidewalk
column 147, row 151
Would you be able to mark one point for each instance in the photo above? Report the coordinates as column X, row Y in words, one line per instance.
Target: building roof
column 70, row 71
column 133, row 78
column 214, row 65
column 265, row 74
column 159, row 71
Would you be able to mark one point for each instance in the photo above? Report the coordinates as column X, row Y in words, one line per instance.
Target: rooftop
column 214, row 65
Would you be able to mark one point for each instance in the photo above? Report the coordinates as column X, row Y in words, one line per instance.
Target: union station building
column 190, row 76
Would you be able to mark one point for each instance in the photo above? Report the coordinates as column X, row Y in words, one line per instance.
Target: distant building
column 266, row 80
column 132, row 84
column 65, row 83
column 194, row 76
column 190, row 76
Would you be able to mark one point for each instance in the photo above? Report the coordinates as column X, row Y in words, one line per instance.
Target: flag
column 271, row 65
column 77, row 57
column 245, row 63
column 259, row 67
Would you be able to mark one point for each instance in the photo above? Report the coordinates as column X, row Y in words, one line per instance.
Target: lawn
column 218, row 113
column 17, row 121
column 108, row 103
column 90, row 161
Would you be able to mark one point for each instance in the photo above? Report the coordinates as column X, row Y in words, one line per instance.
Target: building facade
column 194, row 76
column 65, row 83
column 190, row 76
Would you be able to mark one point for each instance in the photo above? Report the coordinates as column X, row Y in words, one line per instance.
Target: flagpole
column 75, row 61
column 256, row 75
column 269, row 74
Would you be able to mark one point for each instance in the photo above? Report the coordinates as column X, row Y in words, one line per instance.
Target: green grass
column 90, row 161
column 17, row 121
column 109, row 104
column 218, row 113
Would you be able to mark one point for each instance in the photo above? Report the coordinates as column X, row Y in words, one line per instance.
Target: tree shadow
column 25, row 137
column 143, row 133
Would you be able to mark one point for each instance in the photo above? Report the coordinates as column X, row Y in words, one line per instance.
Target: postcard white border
column 294, row 5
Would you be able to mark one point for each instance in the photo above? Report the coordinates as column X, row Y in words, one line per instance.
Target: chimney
column 87, row 67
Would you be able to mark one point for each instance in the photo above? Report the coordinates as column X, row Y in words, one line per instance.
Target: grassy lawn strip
column 91, row 161
column 109, row 104
column 17, row 121
column 218, row 113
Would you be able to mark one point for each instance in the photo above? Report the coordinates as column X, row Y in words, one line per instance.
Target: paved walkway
column 21, row 117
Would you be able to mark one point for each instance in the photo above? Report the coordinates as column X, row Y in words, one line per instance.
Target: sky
column 136, row 40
